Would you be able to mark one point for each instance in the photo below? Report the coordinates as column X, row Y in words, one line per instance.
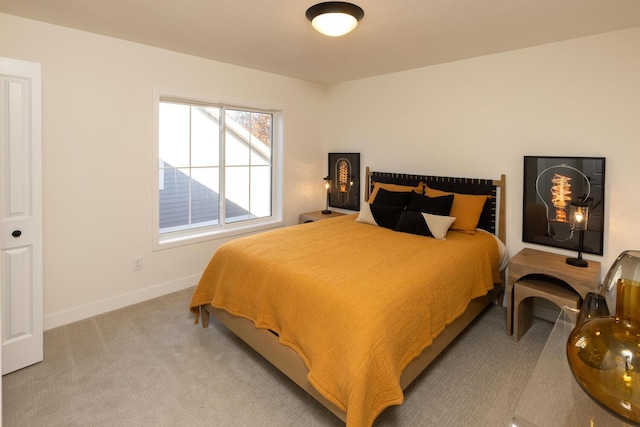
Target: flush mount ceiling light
column 334, row 18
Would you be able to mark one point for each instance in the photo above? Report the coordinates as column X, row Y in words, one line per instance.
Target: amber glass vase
column 604, row 350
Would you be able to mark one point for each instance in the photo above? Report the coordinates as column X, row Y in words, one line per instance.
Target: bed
column 353, row 310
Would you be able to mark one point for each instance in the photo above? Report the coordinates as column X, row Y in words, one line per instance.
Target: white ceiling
column 394, row 35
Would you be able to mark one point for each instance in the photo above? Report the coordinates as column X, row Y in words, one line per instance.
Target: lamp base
column 326, row 212
column 577, row 262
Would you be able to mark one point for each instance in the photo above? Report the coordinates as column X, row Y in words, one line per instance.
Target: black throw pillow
column 392, row 198
column 386, row 216
column 440, row 205
column 414, row 223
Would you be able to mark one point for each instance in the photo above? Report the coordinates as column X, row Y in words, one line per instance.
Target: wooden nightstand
column 541, row 272
column 317, row 216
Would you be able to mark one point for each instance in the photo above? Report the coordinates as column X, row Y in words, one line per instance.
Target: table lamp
column 327, row 186
column 579, row 217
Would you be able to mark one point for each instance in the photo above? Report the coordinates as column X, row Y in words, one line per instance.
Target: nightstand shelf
column 317, row 216
column 541, row 287
column 534, row 273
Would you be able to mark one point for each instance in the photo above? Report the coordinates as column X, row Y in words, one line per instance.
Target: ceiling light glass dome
column 334, row 18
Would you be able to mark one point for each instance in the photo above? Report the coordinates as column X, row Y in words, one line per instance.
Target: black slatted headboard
column 493, row 217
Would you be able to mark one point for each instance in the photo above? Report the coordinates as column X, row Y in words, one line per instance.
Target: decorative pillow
column 432, row 205
column 383, row 216
column 394, row 187
column 365, row 215
column 392, row 198
column 425, row 224
column 414, row 223
column 438, row 224
column 466, row 208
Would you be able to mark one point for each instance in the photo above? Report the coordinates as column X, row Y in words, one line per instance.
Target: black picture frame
column 545, row 221
column 344, row 176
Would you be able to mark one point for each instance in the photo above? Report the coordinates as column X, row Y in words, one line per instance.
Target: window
column 215, row 170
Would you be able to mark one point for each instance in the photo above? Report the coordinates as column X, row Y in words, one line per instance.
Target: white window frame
column 202, row 234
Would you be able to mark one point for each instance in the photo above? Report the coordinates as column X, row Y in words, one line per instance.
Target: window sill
column 193, row 236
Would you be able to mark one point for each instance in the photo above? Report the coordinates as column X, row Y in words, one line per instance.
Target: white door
column 20, row 214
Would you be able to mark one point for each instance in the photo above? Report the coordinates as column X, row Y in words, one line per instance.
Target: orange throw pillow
column 467, row 209
column 394, row 187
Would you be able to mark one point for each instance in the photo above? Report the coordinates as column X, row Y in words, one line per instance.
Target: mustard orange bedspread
column 357, row 302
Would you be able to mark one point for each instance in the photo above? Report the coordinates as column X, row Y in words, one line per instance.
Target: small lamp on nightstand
column 579, row 217
column 327, row 186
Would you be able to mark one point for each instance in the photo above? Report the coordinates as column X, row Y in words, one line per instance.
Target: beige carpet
column 149, row 365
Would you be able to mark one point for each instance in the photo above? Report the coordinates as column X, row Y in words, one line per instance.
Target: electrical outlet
column 137, row 264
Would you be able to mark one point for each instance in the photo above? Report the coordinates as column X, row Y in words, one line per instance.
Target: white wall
column 97, row 159
column 479, row 117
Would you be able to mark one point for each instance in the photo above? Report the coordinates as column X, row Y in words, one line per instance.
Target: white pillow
column 365, row 215
column 438, row 224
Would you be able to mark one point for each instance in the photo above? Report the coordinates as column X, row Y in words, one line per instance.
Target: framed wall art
column 552, row 186
column 344, row 180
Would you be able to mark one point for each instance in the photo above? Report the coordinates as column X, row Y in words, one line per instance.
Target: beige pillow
column 438, row 224
column 466, row 208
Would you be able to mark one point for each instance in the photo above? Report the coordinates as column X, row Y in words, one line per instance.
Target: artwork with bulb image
column 564, row 202
column 344, row 180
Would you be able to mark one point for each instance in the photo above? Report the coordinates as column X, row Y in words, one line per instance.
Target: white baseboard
column 103, row 306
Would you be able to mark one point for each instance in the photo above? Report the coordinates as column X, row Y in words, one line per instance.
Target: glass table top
column 552, row 397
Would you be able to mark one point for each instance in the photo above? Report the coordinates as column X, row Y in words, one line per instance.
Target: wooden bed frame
column 291, row 364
